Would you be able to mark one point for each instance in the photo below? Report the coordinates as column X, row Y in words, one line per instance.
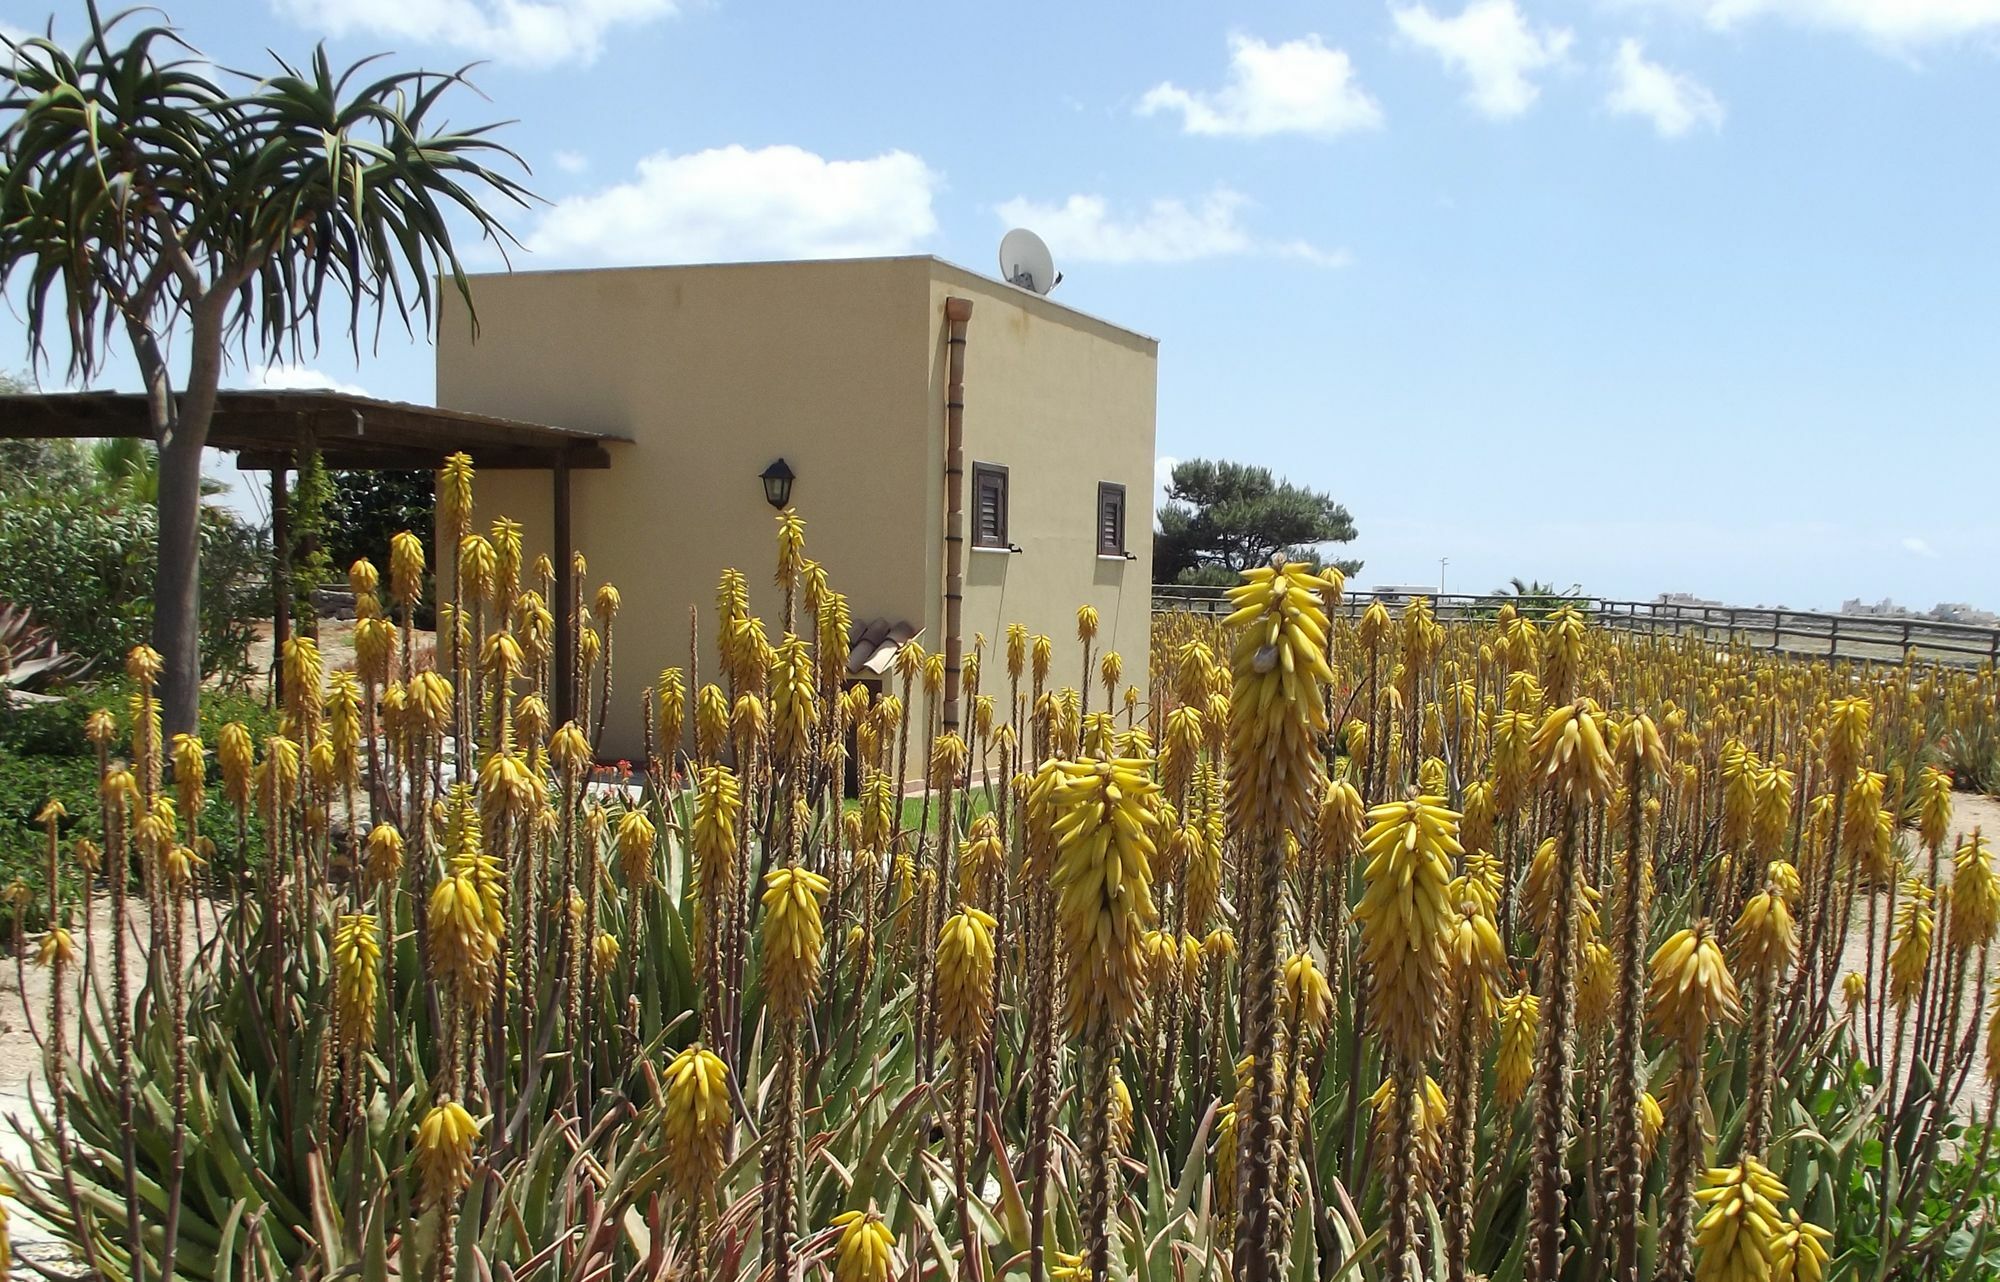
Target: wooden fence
column 1862, row 637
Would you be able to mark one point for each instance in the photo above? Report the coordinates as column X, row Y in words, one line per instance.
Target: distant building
column 1960, row 612
column 1885, row 608
column 1685, row 598
column 1396, row 594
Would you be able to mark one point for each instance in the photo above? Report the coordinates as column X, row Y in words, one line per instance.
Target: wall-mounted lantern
column 777, row 480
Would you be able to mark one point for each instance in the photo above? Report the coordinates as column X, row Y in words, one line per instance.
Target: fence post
column 1833, row 637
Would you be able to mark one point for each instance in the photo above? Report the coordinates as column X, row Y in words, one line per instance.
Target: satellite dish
column 1025, row 262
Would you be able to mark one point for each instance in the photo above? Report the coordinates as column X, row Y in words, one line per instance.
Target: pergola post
column 281, row 574
column 565, row 602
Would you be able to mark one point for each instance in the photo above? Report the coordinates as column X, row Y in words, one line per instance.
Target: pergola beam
column 353, row 433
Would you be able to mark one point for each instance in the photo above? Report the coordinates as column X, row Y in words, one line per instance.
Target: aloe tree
column 141, row 198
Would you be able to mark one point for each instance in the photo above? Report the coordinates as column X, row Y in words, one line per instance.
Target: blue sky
column 1647, row 295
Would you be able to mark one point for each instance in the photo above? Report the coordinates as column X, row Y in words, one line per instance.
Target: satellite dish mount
column 1025, row 262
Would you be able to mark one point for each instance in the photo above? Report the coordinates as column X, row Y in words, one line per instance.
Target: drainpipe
column 957, row 311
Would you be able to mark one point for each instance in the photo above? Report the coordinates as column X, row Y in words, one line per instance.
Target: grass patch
column 44, row 755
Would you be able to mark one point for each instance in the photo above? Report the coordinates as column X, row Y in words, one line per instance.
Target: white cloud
column 533, row 33
column 281, row 377
column 1890, row 22
column 735, row 203
column 1492, row 45
column 1674, row 102
column 1085, row 229
column 1919, row 547
column 1300, row 86
column 572, row 162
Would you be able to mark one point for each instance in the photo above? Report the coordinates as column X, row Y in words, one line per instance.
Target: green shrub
column 83, row 561
column 43, row 754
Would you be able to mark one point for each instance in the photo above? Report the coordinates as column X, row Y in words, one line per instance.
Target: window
column 989, row 506
column 1110, row 519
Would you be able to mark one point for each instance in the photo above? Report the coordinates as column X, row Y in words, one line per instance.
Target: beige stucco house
column 841, row 369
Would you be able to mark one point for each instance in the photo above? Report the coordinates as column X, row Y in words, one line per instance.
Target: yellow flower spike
column 635, row 840
column 1305, row 996
column 442, row 1154
column 791, row 546
column 1975, row 896
column 570, row 750
column 965, row 962
column 357, row 955
column 711, row 722
column 1765, row 938
column 1691, row 988
column 1430, row 1116
column 191, row 771
column 1569, row 755
column 791, row 937
column 794, row 701
column 1847, row 734
column 56, row 947
column 454, row 492
column 865, row 1250
column 462, row 945
column 669, row 708
column 144, row 665
column 1783, row 879
column 1798, row 1252
column 1520, row 1030
column 1477, row 957
column 695, row 1121
column 1277, row 712
column 1596, row 985
column 100, row 727
column 1086, row 623
column 979, row 855
column 1910, row 953
column 383, row 862
column 1740, row 1226
column 948, row 757
column 1854, row 988
column 430, row 699
column 1933, row 806
column 604, row 952
column 1105, row 813
column 477, row 568
column 1652, row 1120
column 1403, row 914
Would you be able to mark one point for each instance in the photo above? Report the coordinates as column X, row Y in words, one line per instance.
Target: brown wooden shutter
column 1110, row 519
column 989, row 506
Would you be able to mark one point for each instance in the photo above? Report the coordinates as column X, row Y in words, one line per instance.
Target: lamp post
column 777, row 480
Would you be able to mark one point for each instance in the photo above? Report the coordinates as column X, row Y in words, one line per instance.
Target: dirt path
column 1969, row 811
column 24, row 1025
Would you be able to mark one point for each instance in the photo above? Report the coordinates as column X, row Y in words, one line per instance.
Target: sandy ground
column 336, row 650
column 1969, row 811
column 24, row 1024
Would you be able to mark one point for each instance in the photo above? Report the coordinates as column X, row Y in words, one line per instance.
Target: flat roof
column 267, row 429
column 1028, row 297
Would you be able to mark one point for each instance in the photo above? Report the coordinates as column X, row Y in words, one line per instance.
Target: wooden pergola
column 269, row 431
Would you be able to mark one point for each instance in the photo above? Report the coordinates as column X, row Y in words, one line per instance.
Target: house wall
column 714, row 371
column 1063, row 401
column 840, row 368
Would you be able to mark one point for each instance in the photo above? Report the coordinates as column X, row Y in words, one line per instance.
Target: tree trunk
column 177, row 589
column 181, row 430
